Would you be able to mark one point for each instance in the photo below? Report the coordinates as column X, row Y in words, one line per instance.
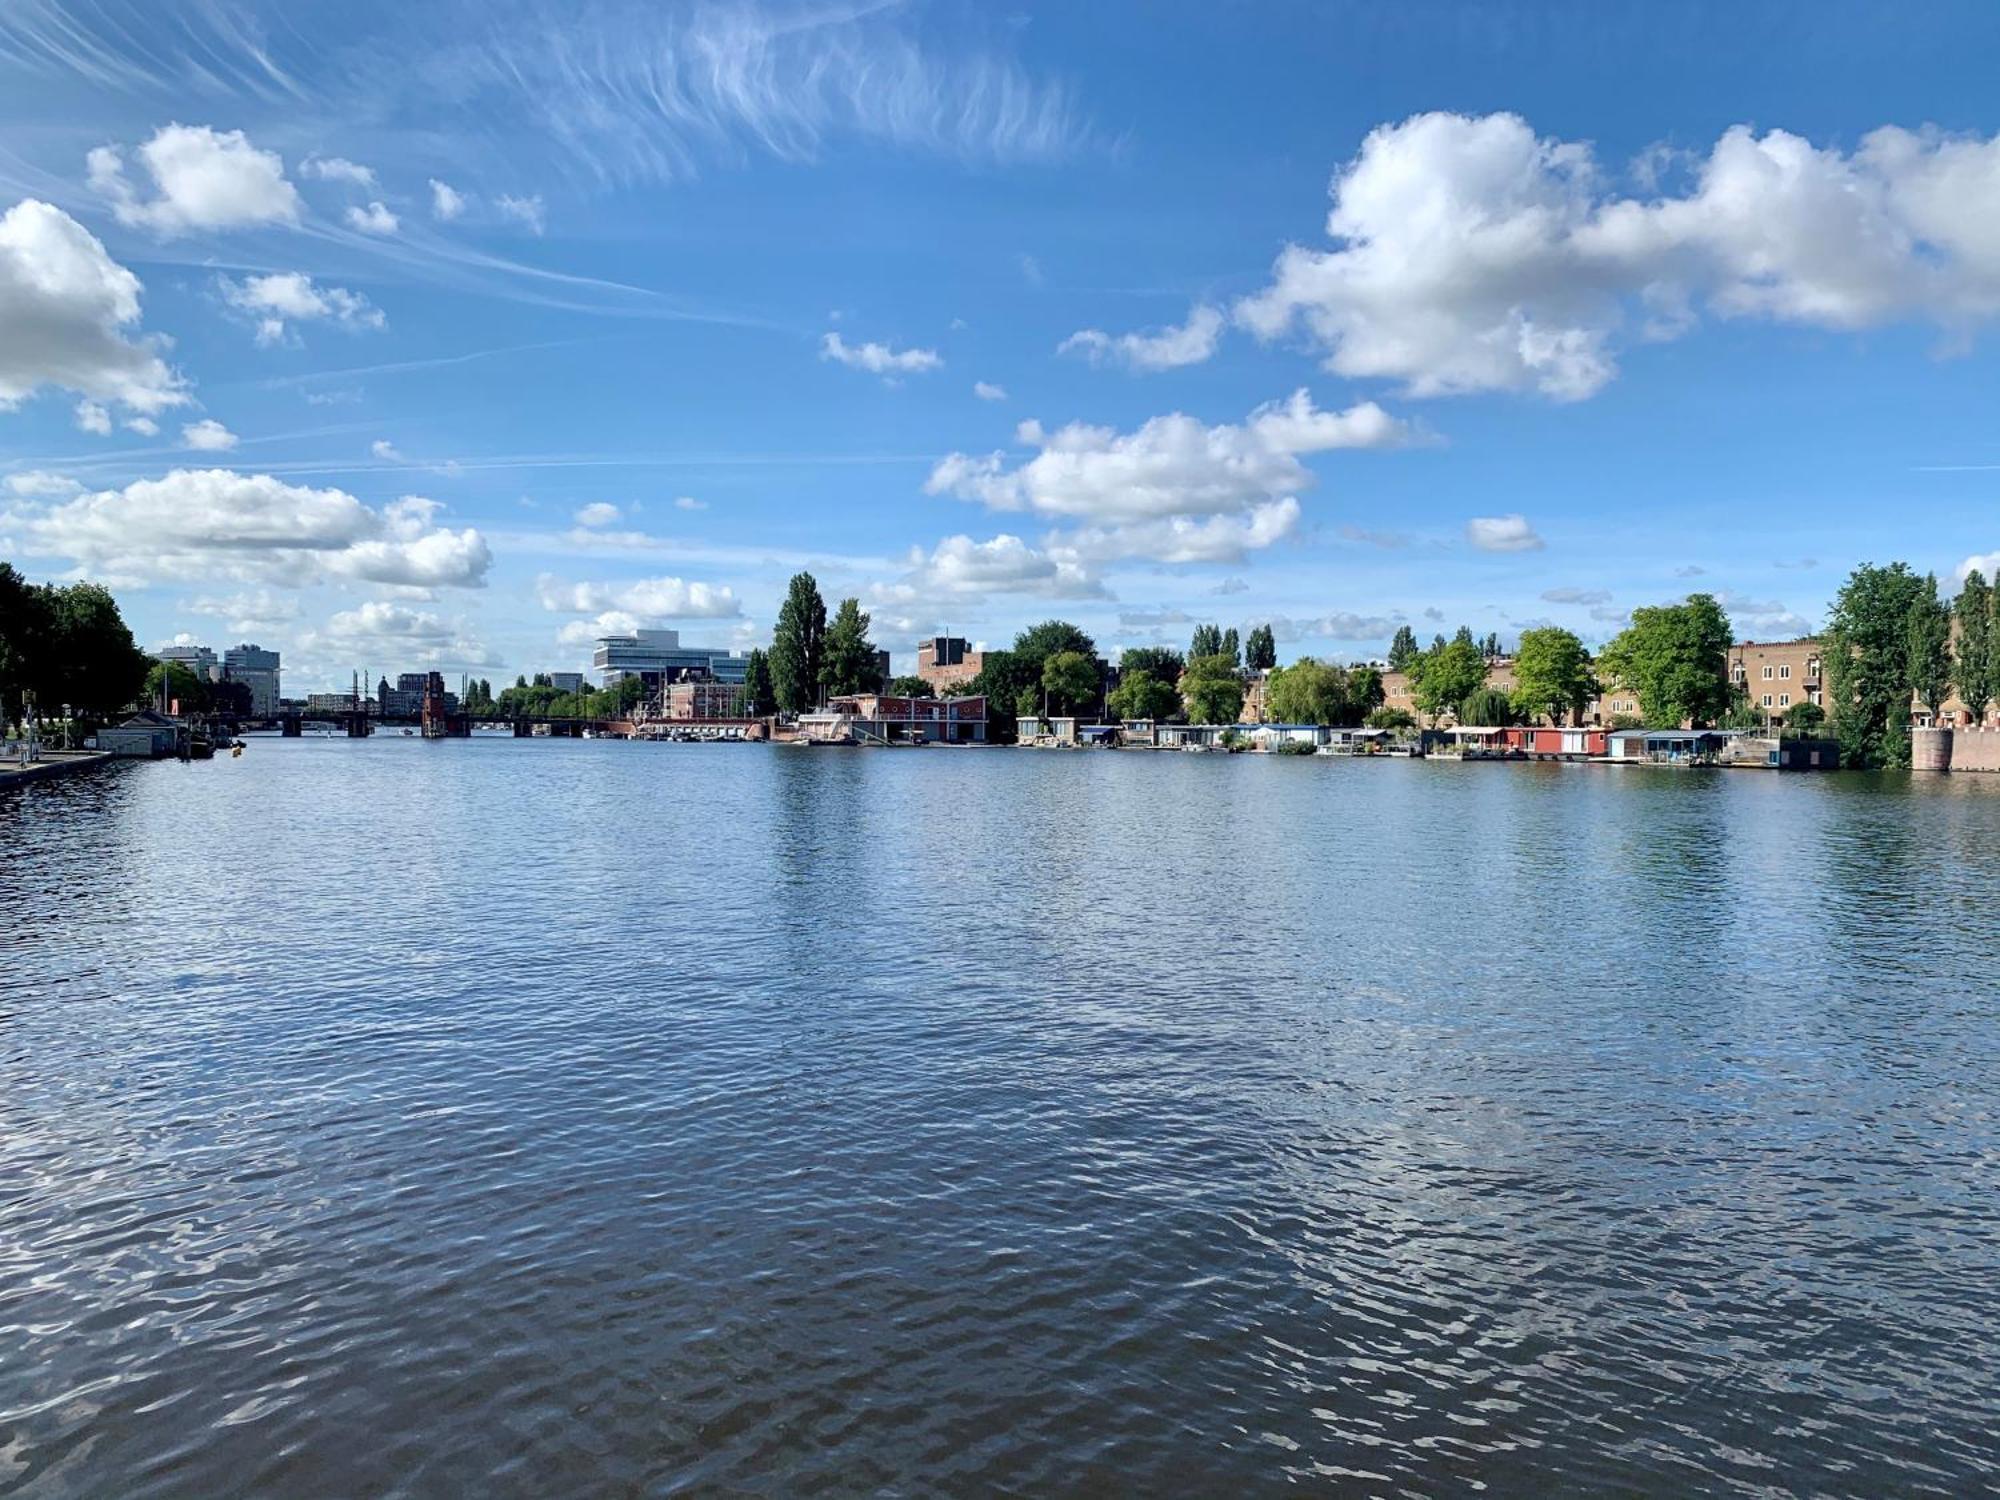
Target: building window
column 1767, row 674
column 1767, row 700
column 1784, row 700
column 1812, row 669
column 1785, row 671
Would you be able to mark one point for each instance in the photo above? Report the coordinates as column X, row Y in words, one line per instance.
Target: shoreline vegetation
column 1894, row 650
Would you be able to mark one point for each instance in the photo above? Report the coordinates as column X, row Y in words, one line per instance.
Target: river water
column 563, row 1118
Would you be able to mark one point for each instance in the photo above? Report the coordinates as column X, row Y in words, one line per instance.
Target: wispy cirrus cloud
column 617, row 91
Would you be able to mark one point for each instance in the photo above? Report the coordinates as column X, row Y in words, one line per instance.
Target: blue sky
column 454, row 335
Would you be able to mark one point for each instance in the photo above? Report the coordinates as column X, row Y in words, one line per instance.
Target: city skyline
column 414, row 340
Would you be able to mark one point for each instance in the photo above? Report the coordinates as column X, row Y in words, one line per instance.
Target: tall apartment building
column 946, row 661
column 258, row 669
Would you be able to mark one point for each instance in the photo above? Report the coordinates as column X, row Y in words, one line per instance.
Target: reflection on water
column 556, row 1118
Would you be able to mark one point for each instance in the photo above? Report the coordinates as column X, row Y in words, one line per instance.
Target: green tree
column 1160, row 662
column 1390, row 718
column 1867, row 659
column 1207, row 641
column 1212, row 689
column 1141, row 695
column 847, row 658
column 1804, row 720
column 1487, row 706
column 797, row 645
column 1930, row 648
column 1403, row 649
column 1308, row 692
column 1743, row 712
column 1071, row 682
column 1675, row 658
column 1973, row 664
column 1260, row 649
column 1464, row 638
column 1231, row 647
column 1446, row 675
column 26, row 623
column 760, row 694
column 1004, row 680
column 1038, row 643
column 1364, row 691
column 1552, row 676
column 172, row 682
column 907, row 687
column 93, row 664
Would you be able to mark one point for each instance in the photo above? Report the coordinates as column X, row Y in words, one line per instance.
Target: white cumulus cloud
column 1472, row 255
column 337, row 169
column 878, row 359
column 286, row 297
column 208, row 435
column 598, row 513
column 985, row 390
column 204, row 525
column 375, row 218
column 1163, row 349
column 447, row 202
column 67, row 315
column 961, row 570
column 648, row 598
column 1174, row 490
column 202, row 179
column 1510, row 533
column 91, row 417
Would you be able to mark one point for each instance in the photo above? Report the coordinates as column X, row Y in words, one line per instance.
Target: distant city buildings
column 566, row 682
column 197, row 659
column 400, row 702
column 947, row 661
column 657, row 657
column 706, row 699
column 257, row 669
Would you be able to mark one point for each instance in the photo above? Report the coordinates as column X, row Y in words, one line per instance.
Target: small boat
column 409, row 732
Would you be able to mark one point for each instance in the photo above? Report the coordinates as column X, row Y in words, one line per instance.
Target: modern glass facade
column 657, row 656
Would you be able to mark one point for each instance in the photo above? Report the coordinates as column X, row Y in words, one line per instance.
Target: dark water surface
column 552, row 1119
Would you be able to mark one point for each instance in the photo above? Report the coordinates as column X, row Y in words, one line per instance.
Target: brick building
column 686, row 701
column 947, row 661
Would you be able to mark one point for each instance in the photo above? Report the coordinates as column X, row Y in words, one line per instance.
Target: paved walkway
column 52, row 763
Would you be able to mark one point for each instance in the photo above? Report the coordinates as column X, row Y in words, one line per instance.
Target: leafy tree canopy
column 1552, row 676
column 798, row 644
column 1141, row 695
column 1868, row 662
column 1212, row 688
column 1071, row 681
column 1403, row 649
column 1674, row 657
column 847, row 658
column 1309, row 692
column 1447, row 674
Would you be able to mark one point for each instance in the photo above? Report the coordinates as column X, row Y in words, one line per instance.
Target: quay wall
column 1955, row 749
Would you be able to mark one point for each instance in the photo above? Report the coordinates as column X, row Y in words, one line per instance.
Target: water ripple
column 580, row 1119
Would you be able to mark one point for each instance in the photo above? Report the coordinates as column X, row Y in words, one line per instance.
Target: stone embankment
column 1955, row 749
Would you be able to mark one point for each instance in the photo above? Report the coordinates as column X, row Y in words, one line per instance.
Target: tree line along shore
column 1893, row 649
